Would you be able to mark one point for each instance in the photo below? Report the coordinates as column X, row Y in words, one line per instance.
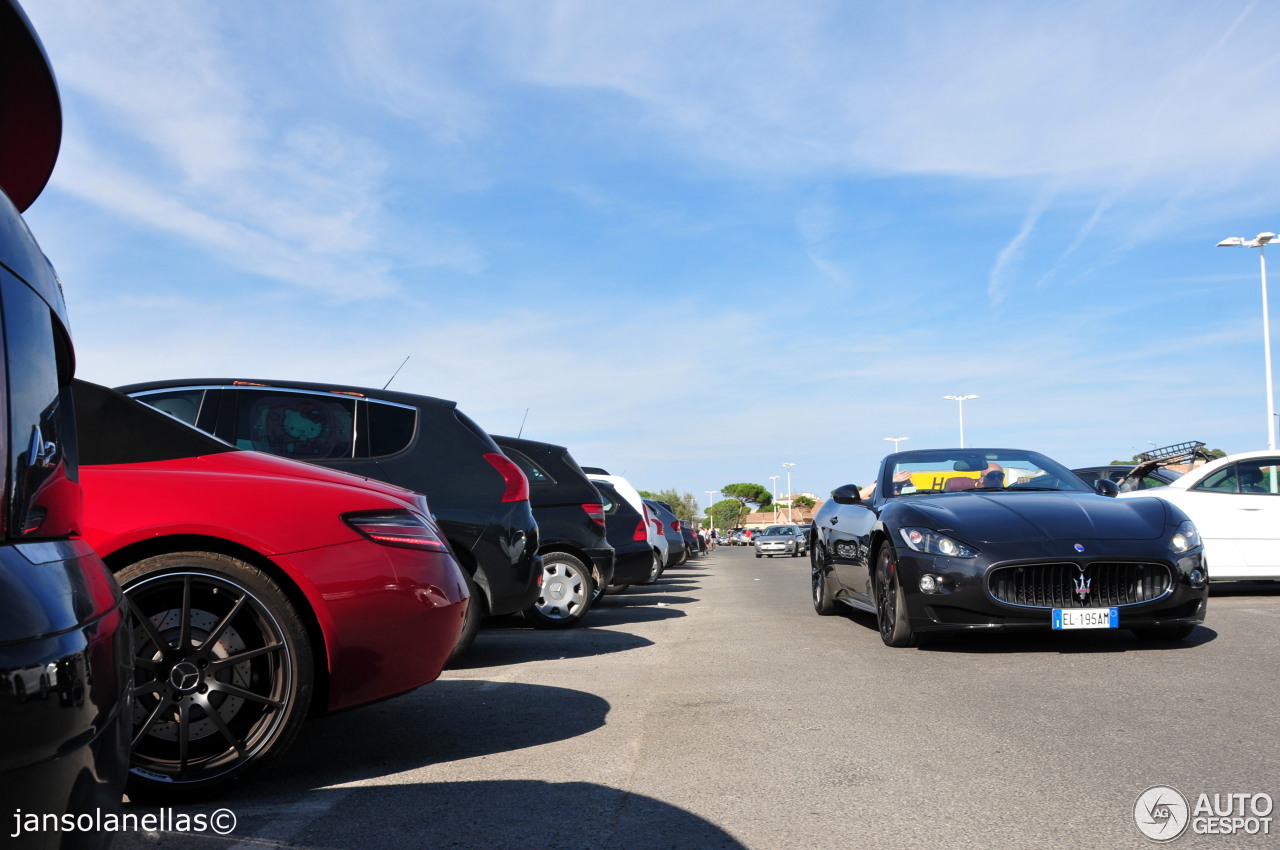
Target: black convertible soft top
column 114, row 428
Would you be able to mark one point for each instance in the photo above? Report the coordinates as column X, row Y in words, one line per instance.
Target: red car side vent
column 517, row 486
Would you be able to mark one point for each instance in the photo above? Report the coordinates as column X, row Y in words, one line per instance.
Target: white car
column 657, row 540
column 1235, row 503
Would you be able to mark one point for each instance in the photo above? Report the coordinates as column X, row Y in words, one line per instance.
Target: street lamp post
column 788, row 468
column 1260, row 241
column 896, row 440
column 774, row 479
column 960, row 400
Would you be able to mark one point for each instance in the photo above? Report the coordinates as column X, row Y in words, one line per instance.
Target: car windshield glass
column 779, row 529
column 960, row 470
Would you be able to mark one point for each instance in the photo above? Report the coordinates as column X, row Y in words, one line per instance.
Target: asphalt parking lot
column 715, row 709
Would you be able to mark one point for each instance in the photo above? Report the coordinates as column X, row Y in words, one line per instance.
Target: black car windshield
column 960, row 470
column 775, row 530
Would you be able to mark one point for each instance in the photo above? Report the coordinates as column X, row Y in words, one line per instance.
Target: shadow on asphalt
column 1013, row 643
column 448, row 720
column 458, row 815
column 1244, row 588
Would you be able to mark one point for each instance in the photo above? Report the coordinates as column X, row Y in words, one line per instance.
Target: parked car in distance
column 956, row 540
column 425, row 444
column 666, row 520
column 1120, row 473
column 628, row 531
column 65, row 656
column 577, row 560
column 779, row 540
column 261, row 590
column 653, row 525
column 1235, row 503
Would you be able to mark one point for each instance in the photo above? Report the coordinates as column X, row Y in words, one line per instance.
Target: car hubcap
column 564, row 591
column 212, row 675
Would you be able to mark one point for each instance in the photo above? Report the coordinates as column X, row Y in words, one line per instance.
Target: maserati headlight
column 927, row 540
column 1185, row 538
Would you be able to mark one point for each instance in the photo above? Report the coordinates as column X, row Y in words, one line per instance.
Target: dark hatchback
column 479, row 496
column 661, row 512
column 634, row 560
column 65, row 650
column 571, row 532
column 956, row 540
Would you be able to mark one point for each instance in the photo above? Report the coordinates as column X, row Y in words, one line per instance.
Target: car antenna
column 522, row 421
column 396, row 372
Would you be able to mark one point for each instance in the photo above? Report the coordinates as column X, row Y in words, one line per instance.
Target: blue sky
column 694, row 240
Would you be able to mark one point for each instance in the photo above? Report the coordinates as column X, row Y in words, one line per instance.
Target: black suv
column 480, row 498
column 66, row 713
column 577, row 560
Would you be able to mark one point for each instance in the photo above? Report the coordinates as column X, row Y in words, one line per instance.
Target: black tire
column 566, row 594
column 757, row 554
column 1164, row 633
column 823, row 602
column 655, row 569
column 615, row 589
column 477, row 608
column 891, row 612
column 223, row 673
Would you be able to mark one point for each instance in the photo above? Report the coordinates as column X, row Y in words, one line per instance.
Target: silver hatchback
column 779, row 540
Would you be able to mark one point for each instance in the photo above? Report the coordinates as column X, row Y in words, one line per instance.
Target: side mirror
column 1106, row 487
column 846, row 494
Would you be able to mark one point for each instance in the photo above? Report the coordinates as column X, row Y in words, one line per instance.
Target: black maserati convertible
column 954, row 540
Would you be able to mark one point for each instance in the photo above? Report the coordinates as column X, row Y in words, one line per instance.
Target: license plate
column 1086, row 618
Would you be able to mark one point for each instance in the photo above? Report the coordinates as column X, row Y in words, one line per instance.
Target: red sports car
column 261, row 589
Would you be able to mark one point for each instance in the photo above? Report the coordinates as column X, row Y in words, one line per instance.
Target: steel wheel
column 565, row 595
column 891, row 612
column 222, row 672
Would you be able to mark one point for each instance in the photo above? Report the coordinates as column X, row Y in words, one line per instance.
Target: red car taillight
column 641, row 533
column 595, row 510
column 517, row 489
column 397, row 528
column 675, row 526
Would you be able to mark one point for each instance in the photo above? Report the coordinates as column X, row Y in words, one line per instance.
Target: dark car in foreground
column 480, row 497
column 65, row 653
column 262, row 590
column 577, row 560
column 964, row 540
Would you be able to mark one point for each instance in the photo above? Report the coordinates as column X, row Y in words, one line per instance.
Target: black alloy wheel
column 891, row 609
column 223, row 672
column 823, row 603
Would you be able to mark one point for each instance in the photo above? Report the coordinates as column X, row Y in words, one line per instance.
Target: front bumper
column 963, row 600
column 766, row 547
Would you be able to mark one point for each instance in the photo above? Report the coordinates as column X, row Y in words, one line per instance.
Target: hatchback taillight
column 517, row 486
column 595, row 510
column 397, row 528
column 675, row 526
column 641, row 532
